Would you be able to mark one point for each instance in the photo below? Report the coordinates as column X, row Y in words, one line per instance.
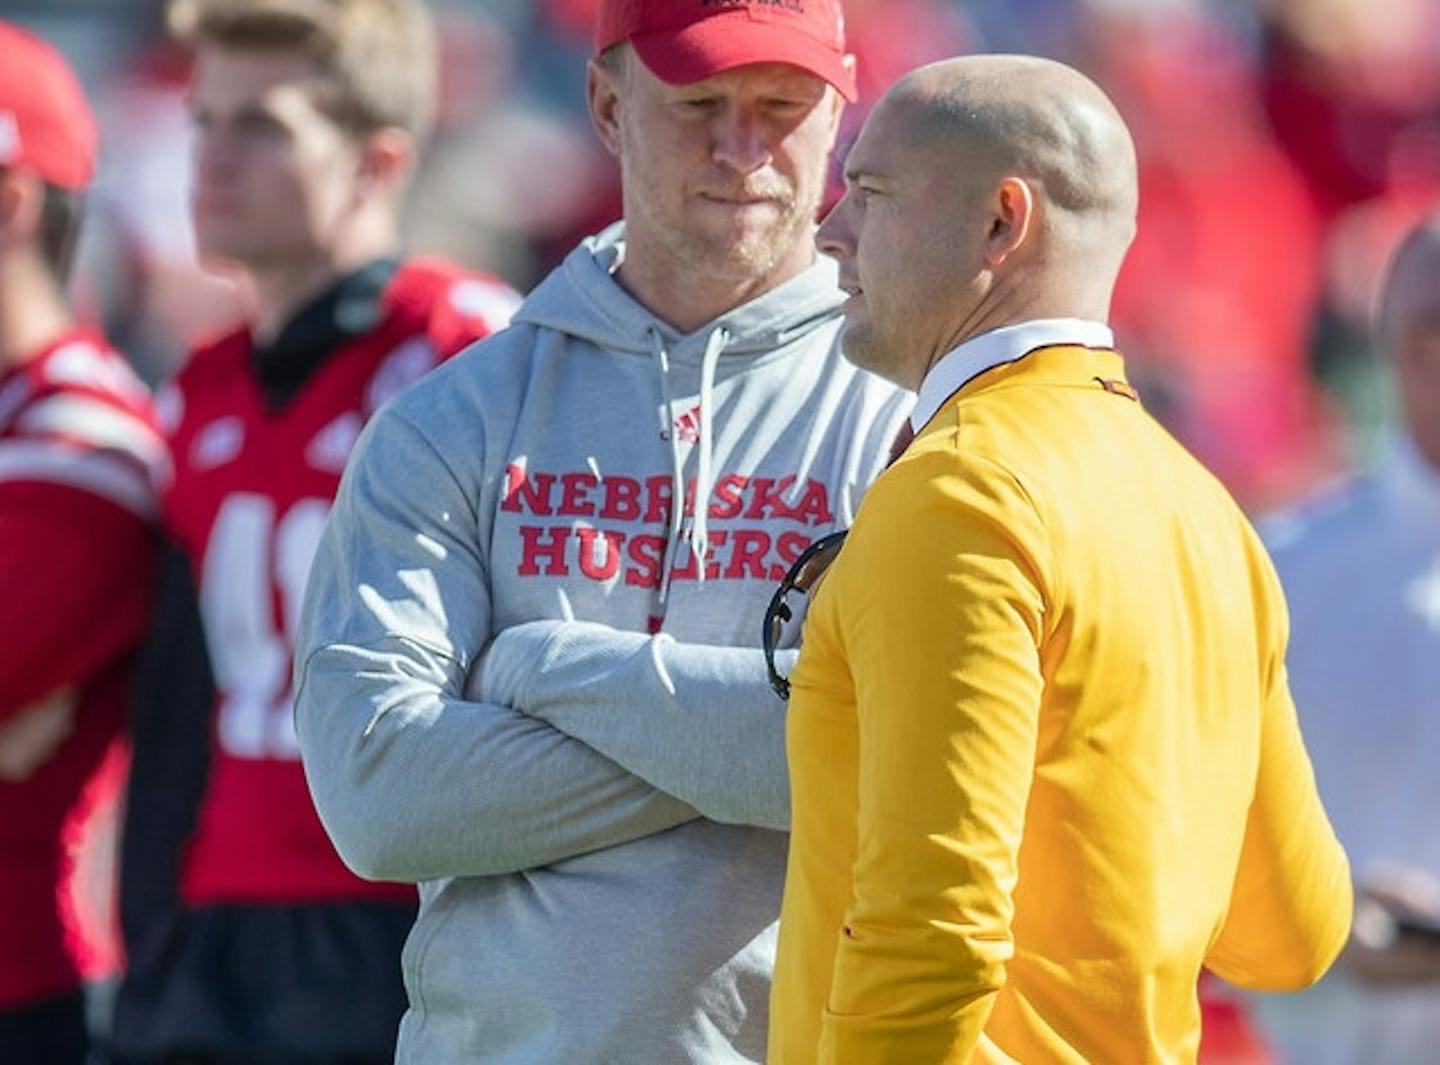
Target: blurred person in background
column 137, row 266
column 1361, row 568
column 527, row 668
column 1352, row 98
column 247, row 938
column 1354, row 101
column 78, row 447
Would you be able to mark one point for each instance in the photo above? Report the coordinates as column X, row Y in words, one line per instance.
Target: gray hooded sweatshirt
column 593, row 808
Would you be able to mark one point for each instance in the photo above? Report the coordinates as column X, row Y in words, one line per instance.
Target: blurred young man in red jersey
column 248, row 938
column 77, row 545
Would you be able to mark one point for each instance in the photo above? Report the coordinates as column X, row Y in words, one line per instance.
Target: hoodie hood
column 582, row 298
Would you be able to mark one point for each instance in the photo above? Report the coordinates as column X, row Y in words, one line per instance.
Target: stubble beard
column 759, row 254
column 755, row 255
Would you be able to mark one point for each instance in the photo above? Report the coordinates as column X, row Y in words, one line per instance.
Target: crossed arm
column 417, row 779
column 697, row 722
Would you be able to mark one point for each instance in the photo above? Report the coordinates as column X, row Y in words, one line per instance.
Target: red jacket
column 259, row 440
column 78, row 444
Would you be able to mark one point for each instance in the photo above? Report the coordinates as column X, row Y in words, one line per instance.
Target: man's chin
column 221, row 244
column 754, row 233
column 858, row 345
column 744, row 259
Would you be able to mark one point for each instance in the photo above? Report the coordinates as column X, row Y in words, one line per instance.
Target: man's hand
column 1396, row 936
column 29, row 738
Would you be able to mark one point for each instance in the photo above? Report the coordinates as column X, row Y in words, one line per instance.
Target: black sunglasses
column 804, row 572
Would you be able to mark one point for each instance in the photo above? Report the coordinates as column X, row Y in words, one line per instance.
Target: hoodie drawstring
column 700, row 529
column 677, row 472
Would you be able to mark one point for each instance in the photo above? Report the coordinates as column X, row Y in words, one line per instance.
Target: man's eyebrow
column 855, row 174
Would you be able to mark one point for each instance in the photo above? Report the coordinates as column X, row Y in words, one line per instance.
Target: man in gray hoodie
column 527, row 670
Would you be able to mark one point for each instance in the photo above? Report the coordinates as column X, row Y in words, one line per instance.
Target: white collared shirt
column 1006, row 344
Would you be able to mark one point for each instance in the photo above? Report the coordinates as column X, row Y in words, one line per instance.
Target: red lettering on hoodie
column 647, row 552
column 659, row 496
column 814, row 505
column 765, row 495
column 522, row 495
column 747, row 555
column 610, row 564
column 534, row 549
column 622, row 499
column 573, row 488
column 791, row 546
column 729, row 496
column 688, row 570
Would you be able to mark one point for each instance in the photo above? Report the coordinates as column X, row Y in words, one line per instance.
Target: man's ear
column 603, row 96
column 1013, row 216
column 22, row 203
column 386, row 158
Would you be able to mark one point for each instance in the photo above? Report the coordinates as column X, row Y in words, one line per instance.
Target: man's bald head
column 1033, row 117
column 1412, row 287
column 1409, row 332
column 982, row 192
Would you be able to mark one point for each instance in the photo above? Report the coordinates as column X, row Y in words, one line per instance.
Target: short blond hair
column 378, row 55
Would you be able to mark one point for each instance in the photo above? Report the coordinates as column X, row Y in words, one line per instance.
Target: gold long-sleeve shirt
column 1044, row 760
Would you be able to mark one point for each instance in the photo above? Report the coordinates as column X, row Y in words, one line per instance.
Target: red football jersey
column 253, row 482
column 78, row 448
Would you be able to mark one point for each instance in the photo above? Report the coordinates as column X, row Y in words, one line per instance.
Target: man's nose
column 833, row 237
column 741, row 141
column 214, row 154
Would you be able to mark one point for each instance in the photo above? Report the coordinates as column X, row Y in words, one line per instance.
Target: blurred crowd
column 1285, row 149
column 1285, row 146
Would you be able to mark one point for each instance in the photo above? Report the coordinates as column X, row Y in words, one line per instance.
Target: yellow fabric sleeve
column 1292, row 902
column 944, row 612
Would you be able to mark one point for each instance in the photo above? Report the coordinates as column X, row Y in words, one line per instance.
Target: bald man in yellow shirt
column 1044, row 761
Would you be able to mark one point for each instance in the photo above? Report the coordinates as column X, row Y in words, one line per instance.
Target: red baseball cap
column 689, row 40
column 45, row 124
